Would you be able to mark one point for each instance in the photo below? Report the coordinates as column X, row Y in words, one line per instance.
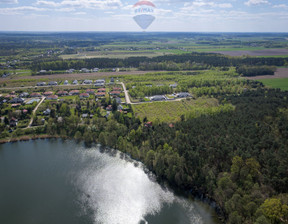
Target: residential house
column 17, row 100
column 32, row 101
column 109, row 108
column 115, row 93
column 43, row 71
column 47, row 93
column 85, row 70
column 117, row 89
column 173, row 85
column 35, row 95
column 62, row 93
column 13, row 122
column 75, row 82
column 101, row 90
column 84, row 95
column 100, row 94
column 87, row 81
column 99, row 82
column 148, row 124
column 41, row 84
column 65, row 82
column 157, row 98
column 95, row 69
column 47, row 112
column 52, row 83
column 52, row 97
column 23, row 95
column 74, row 92
column 118, row 100
column 90, row 91
column 183, row 95
column 14, row 105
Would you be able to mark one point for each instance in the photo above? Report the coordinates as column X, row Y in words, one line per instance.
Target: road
column 34, row 111
column 127, row 98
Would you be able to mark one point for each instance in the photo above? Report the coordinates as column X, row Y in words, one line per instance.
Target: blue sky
column 171, row 15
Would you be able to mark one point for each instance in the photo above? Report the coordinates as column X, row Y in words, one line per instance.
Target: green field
column 281, row 83
column 172, row 111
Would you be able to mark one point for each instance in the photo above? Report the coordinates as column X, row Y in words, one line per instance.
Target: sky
column 171, row 15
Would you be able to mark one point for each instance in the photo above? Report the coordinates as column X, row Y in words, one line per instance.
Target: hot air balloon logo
column 144, row 11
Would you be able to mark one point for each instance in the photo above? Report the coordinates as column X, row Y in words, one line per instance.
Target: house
column 75, row 82
column 62, row 93
column 100, row 94
column 157, row 98
column 112, row 80
column 24, row 95
column 43, row 71
column 118, row 100
column 149, row 85
column 65, row 82
column 117, row 89
column 48, row 93
column 173, row 85
column 74, row 92
column 95, row 69
column 47, row 112
column 90, row 91
column 25, row 111
column 41, row 84
column 101, row 90
column 71, row 70
column 52, row 97
column 15, row 105
column 87, row 81
column 99, row 82
column 52, row 83
column 84, row 95
column 115, row 93
column 109, row 108
column 35, row 95
column 84, row 115
column 183, row 95
column 13, row 122
column 85, row 70
column 120, row 107
column 32, row 101
column 17, row 100
column 148, row 124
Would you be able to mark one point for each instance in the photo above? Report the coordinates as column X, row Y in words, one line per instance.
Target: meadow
column 281, row 83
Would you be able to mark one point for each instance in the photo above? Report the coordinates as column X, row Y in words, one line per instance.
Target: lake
column 55, row 181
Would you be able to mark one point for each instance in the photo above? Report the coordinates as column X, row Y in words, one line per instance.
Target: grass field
column 172, row 111
column 281, row 83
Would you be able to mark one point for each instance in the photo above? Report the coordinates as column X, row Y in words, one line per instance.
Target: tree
column 274, row 210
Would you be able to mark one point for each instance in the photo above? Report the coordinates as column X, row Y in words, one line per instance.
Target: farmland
column 281, row 83
column 173, row 111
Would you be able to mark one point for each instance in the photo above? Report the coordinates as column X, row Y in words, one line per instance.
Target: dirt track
column 81, row 76
column 280, row 73
column 266, row 52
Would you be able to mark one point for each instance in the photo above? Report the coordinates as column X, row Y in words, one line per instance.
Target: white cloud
column 20, row 10
column 280, row 6
column 89, row 4
column 202, row 3
column 256, row 2
column 9, row 1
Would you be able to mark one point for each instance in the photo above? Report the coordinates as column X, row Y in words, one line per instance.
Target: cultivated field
column 280, row 73
column 281, row 83
column 266, row 52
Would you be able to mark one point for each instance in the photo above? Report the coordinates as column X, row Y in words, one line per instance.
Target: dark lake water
column 52, row 181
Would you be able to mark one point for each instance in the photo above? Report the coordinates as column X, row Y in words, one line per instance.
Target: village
column 86, row 99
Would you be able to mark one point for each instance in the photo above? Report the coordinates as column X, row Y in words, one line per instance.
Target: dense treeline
column 240, row 158
column 167, row 62
column 256, row 70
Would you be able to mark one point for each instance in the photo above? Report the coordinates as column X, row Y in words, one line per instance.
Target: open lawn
column 281, row 83
column 172, row 111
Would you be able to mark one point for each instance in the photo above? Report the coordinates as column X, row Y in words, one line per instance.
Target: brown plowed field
column 266, row 52
column 280, row 73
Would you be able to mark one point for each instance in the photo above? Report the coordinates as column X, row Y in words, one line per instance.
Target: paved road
column 34, row 111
